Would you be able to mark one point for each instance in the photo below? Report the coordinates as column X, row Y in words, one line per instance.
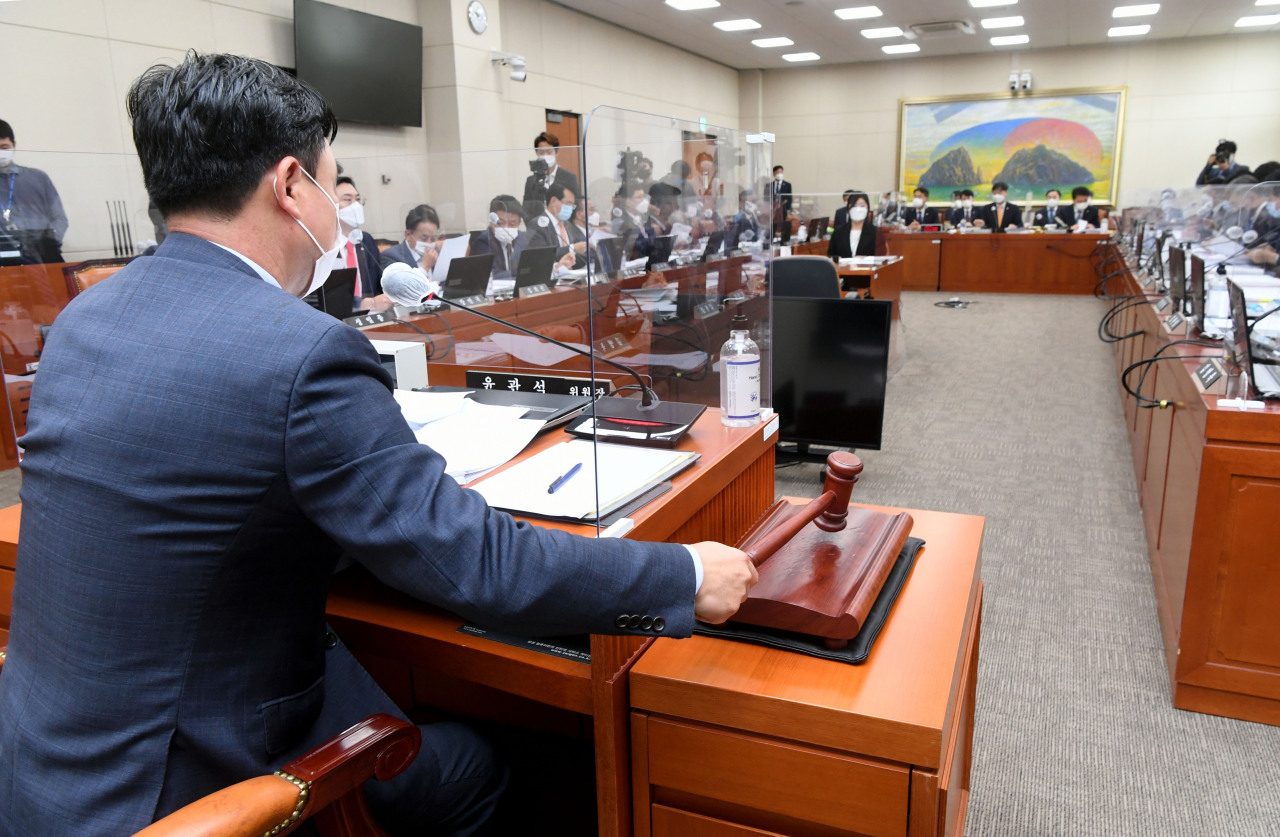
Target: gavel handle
column 778, row 536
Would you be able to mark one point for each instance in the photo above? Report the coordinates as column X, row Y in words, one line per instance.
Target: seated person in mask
column 631, row 218
column 999, row 214
column 360, row 250
column 421, row 230
column 919, row 213
column 504, row 238
column 1048, row 216
column 842, row 214
column 1081, row 215
column 857, row 236
column 554, row 228
column 965, row 215
column 745, row 226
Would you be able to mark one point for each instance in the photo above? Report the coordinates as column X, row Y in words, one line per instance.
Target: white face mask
column 6, row 157
column 548, row 158
column 642, row 207
column 420, row 248
column 1082, row 205
column 858, row 213
column 708, row 214
column 1051, row 203
column 324, row 263
column 999, row 199
column 956, row 204
column 749, row 208
column 594, row 219
column 966, row 203
column 917, row 202
column 778, row 177
column 505, row 234
column 352, row 215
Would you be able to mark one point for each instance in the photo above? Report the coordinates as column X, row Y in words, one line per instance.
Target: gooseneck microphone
column 410, row 286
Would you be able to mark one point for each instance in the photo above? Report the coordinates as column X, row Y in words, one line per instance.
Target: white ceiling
column 814, row 27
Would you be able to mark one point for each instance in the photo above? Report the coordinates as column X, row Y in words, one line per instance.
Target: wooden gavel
column 829, row 511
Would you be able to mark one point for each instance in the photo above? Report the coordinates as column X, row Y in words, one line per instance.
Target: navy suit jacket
column 928, row 216
column 488, row 243
column 1012, row 216
column 544, row 233
column 1067, row 215
column 397, row 253
column 201, row 448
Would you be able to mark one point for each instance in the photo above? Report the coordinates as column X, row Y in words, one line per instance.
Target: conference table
column 989, row 262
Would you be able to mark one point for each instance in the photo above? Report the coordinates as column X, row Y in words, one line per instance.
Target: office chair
column 325, row 785
column 807, row 276
column 82, row 275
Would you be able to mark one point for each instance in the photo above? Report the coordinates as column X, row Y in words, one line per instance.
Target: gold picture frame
column 1037, row 141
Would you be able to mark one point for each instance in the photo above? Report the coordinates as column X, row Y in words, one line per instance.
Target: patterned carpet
column 1009, row 409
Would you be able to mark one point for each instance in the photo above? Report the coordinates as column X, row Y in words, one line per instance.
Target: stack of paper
column 618, row 473
column 473, row 438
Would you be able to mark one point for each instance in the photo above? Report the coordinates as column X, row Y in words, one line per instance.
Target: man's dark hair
column 966, row 193
column 776, row 169
column 1225, row 147
column 506, row 203
column 549, row 139
column 848, row 193
column 1081, row 192
column 922, row 190
column 557, row 190
column 681, row 169
column 1059, row 191
column 855, row 196
column 1269, row 170
column 344, row 179
column 420, row 214
column 742, row 196
column 208, row 129
column 626, row 190
column 6, row 132
column 999, row 186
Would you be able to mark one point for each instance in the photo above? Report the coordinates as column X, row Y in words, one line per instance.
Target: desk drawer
column 671, row 822
column 826, row 788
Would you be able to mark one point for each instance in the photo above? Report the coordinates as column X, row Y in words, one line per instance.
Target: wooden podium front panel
column 921, row 258
column 1019, row 263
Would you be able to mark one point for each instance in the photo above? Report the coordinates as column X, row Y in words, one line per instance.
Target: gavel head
column 843, row 469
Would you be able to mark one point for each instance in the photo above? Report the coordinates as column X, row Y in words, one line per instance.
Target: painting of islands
column 1032, row 141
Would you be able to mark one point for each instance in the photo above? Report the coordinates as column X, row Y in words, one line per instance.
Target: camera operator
column 1222, row 166
column 545, row 171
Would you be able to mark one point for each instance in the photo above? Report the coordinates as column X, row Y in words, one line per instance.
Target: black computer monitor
column 830, row 369
column 1178, row 279
column 1237, row 345
column 715, row 243
column 782, row 231
column 467, row 276
column 1137, row 250
column 1195, row 290
column 661, row 251
column 535, row 266
column 337, row 296
column 818, row 227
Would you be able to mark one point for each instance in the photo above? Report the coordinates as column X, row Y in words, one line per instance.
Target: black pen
column 560, row 481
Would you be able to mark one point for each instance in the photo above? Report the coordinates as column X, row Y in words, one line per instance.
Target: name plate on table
column 471, row 301
column 1163, row 303
column 547, row 384
column 1149, row 281
column 367, row 320
column 534, row 290
column 707, row 309
column 611, row 345
column 1208, row 374
column 1173, row 322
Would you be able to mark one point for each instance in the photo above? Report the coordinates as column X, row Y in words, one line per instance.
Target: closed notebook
column 621, row 471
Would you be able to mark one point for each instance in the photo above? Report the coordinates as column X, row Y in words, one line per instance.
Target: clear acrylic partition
column 682, row 245
column 100, row 213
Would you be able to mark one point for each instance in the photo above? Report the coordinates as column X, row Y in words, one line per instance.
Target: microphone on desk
column 1246, row 237
column 410, row 286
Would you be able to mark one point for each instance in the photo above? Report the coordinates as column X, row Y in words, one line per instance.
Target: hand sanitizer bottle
column 739, row 376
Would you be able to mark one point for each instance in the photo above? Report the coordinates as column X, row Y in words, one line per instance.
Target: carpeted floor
column 1009, row 409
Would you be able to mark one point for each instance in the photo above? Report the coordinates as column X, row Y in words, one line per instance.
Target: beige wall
column 837, row 127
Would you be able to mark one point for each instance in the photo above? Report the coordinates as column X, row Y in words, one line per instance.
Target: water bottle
column 739, row 376
column 802, row 235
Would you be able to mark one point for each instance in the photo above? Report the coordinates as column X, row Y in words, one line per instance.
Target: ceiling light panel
column 1128, row 31
column 899, row 49
column 1002, row 22
column 690, row 5
column 801, row 56
column 886, row 32
column 1258, row 20
column 773, row 42
column 989, row 4
column 736, row 25
column 1009, row 40
column 864, row 12
column 1137, row 11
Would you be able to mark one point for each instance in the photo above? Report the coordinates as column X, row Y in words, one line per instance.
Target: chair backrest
column 82, row 275
column 807, row 276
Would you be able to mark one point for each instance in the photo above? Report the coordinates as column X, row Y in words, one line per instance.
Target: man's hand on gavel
column 727, row 576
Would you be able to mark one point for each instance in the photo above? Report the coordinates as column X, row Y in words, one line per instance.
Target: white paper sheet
column 421, row 408
column 532, row 350
column 478, row 438
column 451, row 249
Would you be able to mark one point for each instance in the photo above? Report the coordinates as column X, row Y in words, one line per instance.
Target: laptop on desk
column 337, row 297
column 468, row 276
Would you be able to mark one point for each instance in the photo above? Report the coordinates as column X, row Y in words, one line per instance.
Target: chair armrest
column 326, row 783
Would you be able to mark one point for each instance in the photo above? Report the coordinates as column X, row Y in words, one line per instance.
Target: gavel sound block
column 822, row 565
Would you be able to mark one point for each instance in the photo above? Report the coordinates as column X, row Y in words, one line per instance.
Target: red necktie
column 351, row 262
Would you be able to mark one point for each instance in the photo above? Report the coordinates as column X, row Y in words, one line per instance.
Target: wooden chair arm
column 326, row 784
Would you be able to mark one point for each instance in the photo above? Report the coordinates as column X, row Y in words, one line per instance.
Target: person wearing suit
column 504, row 238
column 857, row 236
column 360, row 250
column 744, row 227
column 546, row 149
column 919, row 213
column 1082, row 214
column 1048, row 216
column 555, row 228
column 419, row 248
column 842, row 214
column 191, row 481
column 780, row 192
column 965, row 214
column 632, row 220
column 1000, row 215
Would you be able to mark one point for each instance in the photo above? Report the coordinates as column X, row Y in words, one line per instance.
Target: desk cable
column 1151, row 403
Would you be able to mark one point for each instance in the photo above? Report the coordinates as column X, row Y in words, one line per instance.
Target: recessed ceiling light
column 1258, row 20
column 1137, row 11
column 1009, row 40
column 690, row 5
column 1126, row 31
column 896, row 49
column 1267, row 3
column 987, row 4
column 860, row 12
column 1002, row 22
column 801, row 56
column 886, row 32
column 736, row 25
column 773, row 42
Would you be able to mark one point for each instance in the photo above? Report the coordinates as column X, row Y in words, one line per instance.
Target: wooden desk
column 412, row 643
column 736, row 739
column 1039, row 263
column 1209, row 484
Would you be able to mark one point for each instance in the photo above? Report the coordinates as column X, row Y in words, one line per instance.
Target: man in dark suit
column 546, row 171
column 780, row 191
column 966, row 213
column 842, row 214
column 555, row 228
column 419, row 247
column 1082, row 214
column 504, row 238
column 1000, row 215
column 1048, row 216
column 201, row 449
column 632, row 221
column 919, row 213
column 360, row 249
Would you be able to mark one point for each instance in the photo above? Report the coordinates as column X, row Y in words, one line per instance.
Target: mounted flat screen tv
column 368, row 68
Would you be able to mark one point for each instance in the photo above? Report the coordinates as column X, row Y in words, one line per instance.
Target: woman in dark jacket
column 858, row 228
